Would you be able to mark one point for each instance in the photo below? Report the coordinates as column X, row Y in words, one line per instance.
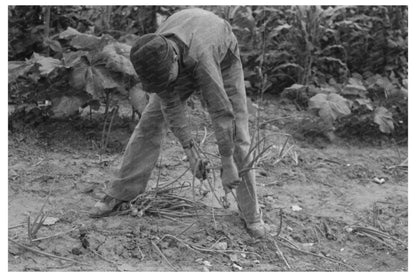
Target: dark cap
column 152, row 57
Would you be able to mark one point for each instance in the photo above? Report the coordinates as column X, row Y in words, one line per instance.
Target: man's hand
column 229, row 174
column 198, row 166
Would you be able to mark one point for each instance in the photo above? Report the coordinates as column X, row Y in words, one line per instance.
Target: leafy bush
column 91, row 68
column 313, row 44
column 357, row 108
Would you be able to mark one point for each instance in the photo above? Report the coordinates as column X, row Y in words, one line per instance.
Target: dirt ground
column 330, row 212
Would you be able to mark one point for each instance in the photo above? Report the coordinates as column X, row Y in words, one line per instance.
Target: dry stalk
column 187, row 228
column 162, row 186
column 204, row 138
column 376, row 233
column 44, row 253
column 212, row 170
column 280, row 223
column 283, row 153
column 217, row 241
column 280, row 253
column 289, row 242
column 194, row 247
column 56, row 235
column 141, row 253
column 317, row 255
column 33, row 228
column 376, row 239
column 16, row 226
column 403, row 164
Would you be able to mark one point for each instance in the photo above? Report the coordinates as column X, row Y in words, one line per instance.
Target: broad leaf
column 329, row 106
column 329, row 89
column 365, row 102
column 276, row 31
column 295, row 87
column 85, row 42
column 379, row 81
column 79, row 40
column 117, row 58
column 354, row 87
column 53, row 44
column 46, row 64
column 68, row 33
column 19, row 68
column 92, row 77
column 66, row 106
column 70, row 59
column 384, row 119
column 334, row 60
column 293, row 91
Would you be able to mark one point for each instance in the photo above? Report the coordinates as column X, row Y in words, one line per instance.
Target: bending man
column 193, row 50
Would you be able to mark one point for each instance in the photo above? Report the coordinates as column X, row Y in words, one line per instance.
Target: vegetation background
column 347, row 65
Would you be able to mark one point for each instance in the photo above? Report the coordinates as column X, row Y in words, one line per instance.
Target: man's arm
column 173, row 109
column 208, row 75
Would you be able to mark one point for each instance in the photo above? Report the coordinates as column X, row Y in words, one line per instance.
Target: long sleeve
column 173, row 110
column 208, row 75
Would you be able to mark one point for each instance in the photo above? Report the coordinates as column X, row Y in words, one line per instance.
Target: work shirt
column 205, row 41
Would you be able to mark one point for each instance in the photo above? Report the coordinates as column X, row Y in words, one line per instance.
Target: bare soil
column 318, row 195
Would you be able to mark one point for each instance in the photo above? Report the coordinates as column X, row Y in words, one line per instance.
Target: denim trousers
column 143, row 149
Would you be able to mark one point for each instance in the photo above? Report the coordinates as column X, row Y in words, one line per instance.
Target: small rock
column 379, row 181
column 307, row 246
column 50, row 221
column 134, row 212
column 236, row 267
column 296, row 208
column 233, row 257
column 206, row 263
column 222, row 245
column 205, row 269
column 349, row 229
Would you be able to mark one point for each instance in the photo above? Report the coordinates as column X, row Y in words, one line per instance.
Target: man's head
column 155, row 61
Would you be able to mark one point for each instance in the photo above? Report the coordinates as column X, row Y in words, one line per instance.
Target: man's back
column 201, row 31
